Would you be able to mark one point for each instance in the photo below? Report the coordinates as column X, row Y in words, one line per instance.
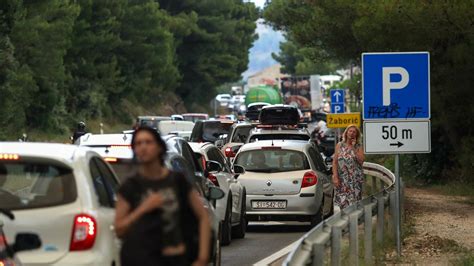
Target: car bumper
column 91, row 258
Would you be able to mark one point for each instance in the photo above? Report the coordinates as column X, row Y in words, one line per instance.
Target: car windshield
column 29, row 184
column 260, row 137
column 194, row 118
column 149, row 123
column 212, row 131
column 241, row 134
column 272, row 160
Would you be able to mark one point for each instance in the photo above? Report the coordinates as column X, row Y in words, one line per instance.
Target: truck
column 263, row 93
column 303, row 92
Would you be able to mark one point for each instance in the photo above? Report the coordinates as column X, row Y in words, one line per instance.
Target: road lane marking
column 277, row 255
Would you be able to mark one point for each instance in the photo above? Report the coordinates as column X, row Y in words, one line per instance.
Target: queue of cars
column 251, row 171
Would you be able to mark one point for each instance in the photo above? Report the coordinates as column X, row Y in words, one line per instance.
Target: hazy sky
column 268, row 42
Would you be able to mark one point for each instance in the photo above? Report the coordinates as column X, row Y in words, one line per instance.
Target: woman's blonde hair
column 358, row 137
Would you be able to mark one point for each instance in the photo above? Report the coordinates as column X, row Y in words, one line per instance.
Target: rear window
column 149, row 123
column 241, row 134
column 124, row 170
column 212, row 131
column 260, row 137
column 194, row 118
column 28, row 185
column 272, row 160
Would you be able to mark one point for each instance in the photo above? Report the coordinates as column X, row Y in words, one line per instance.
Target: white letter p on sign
column 387, row 85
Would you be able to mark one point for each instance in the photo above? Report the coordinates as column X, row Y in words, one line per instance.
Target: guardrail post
column 393, row 212
column 368, row 234
column 374, row 184
column 354, row 238
column 380, row 210
column 336, row 238
column 318, row 254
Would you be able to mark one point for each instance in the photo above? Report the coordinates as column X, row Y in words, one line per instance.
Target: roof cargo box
column 279, row 115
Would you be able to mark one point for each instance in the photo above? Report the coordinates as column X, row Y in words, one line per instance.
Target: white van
column 166, row 127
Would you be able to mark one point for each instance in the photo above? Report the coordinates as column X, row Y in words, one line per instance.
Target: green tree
column 40, row 36
column 344, row 29
column 215, row 50
column 147, row 55
column 303, row 61
column 92, row 64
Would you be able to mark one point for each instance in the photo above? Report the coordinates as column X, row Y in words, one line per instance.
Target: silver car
column 231, row 208
column 285, row 181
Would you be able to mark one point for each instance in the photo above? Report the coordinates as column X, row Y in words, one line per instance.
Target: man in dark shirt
column 159, row 216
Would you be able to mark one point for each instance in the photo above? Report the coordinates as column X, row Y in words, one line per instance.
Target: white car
column 66, row 195
column 115, row 149
column 224, row 99
column 285, row 181
column 166, row 127
column 231, row 208
column 269, row 132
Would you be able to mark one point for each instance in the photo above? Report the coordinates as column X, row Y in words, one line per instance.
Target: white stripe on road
column 277, row 255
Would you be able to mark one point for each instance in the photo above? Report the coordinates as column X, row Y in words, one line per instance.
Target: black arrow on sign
column 398, row 144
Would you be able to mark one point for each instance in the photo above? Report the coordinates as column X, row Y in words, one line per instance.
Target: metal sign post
column 396, row 97
column 397, row 200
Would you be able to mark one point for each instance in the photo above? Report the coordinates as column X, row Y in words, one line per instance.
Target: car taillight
column 9, row 156
column 213, row 179
column 84, row 232
column 7, row 262
column 309, row 179
column 3, row 242
column 229, row 153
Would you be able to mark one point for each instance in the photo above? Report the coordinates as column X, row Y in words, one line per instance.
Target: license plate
column 269, row 204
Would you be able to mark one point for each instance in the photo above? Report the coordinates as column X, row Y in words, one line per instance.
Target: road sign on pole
column 396, row 97
column 337, row 101
column 396, row 86
column 337, row 108
column 390, row 137
column 342, row 120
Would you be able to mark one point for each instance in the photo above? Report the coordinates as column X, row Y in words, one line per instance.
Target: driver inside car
column 259, row 161
column 7, row 199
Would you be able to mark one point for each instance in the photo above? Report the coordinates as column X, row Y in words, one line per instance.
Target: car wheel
column 218, row 254
column 319, row 216
column 239, row 230
column 331, row 211
column 227, row 225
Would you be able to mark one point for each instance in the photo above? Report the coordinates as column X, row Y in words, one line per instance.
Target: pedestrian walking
column 348, row 175
column 79, row 132
column 159, row 215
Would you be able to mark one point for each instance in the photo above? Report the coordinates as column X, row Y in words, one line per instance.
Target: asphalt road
column 261, row 241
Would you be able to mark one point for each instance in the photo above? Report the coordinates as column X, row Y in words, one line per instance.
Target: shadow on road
column 278, row 228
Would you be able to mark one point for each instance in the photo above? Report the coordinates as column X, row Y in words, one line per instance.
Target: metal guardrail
column 311, row 248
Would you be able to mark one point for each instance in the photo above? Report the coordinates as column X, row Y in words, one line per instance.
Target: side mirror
column 239, row 170
column 213, row 166
column 216, row 193
column 219, row 143
column 26, row 241
column 328, row 160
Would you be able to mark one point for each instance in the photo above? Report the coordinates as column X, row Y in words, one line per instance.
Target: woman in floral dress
column 348, row 174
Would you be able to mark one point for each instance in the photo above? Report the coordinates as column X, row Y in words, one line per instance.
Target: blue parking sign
column 396, row 86
column 337, row 108
column 337, row 96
